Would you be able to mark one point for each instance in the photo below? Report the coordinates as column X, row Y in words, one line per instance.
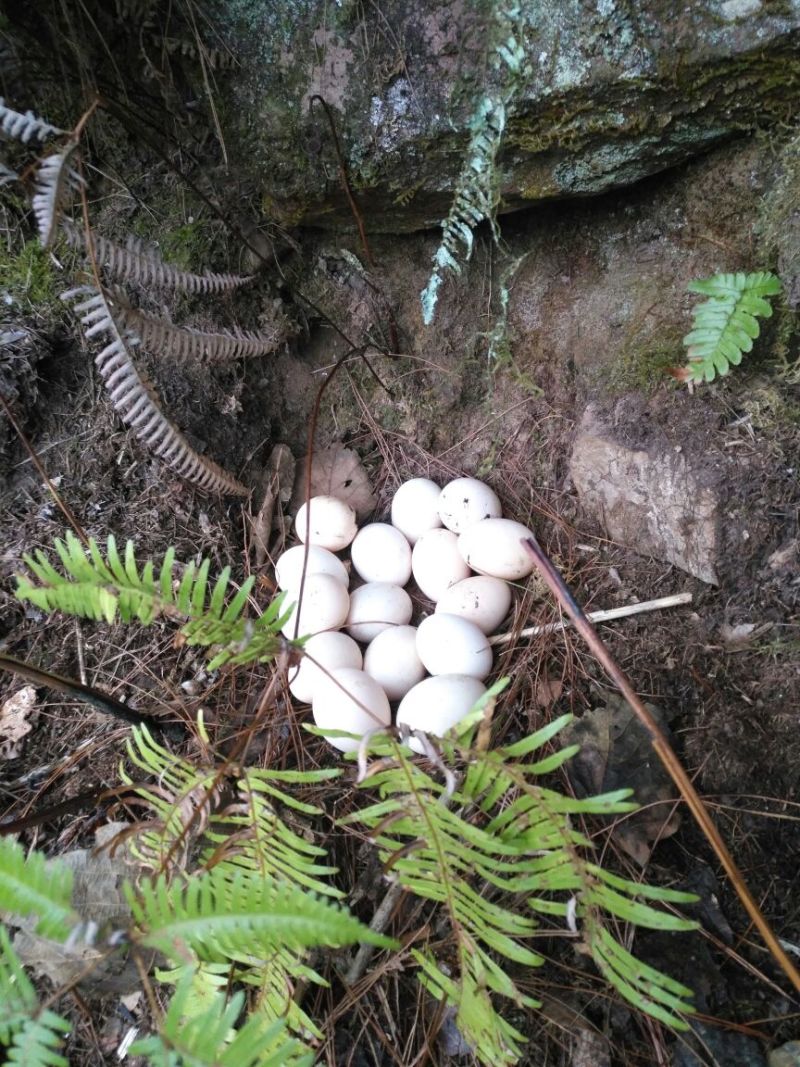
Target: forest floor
column 725, row 670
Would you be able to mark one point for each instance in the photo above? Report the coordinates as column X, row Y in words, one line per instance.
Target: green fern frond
column 18, row 999
column 33, row 885
column 31, row 1036
column 498, row 842
column 203, row 982
column 38, row 1040
column 493, row 1039
column 249, row 834
column 475, row 197
column 180, row 801
column 726, row 325
column 111, row 586
column 209, row 1039
column 239, row 915
column 473, row 202
column 273, row 984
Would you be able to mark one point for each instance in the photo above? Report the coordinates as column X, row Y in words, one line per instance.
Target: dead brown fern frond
column 55, row 180
column 135, row 400
column 138, row 12
column 146, row 269
column 181, row 343
column 26, row 127
column 216, row 58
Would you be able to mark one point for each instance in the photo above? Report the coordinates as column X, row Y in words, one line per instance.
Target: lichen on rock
column 616, row 91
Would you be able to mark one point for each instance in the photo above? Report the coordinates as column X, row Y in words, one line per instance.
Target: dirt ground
column 597, row 309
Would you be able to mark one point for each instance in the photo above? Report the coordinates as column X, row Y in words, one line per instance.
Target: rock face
column 612, row 91
column 650, row 501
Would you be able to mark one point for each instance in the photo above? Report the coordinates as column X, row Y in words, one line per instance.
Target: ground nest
column 386, row 1018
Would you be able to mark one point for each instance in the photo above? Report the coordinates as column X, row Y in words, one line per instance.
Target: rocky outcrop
column 649, row 500
column 614, row 91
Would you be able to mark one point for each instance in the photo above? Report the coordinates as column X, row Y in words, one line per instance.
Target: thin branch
column 380, row 920
column 87, row 693
column 362, row 232
column 597, row 616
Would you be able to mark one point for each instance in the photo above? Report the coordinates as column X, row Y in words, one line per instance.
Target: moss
column 489, row 461
column 644, row 365
column 772, row 408
column 188, row 246
column 27, row 276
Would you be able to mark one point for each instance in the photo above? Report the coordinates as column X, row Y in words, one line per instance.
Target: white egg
column 289, row 568
column 415, row 508
column 437, row 704
column 479, row 599
column 392, row 660
column 333, row 523
column 447, row 644
column 376, row 607
column 350, row 700
column 329, row 651
column 325, row 605
column 381, row 553
column 436, row 562
column 466, row 501
column 495, row 547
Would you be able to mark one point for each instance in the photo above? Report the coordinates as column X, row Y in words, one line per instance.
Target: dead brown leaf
column 738, row 637
column 338, row 472
column 14, row 724
column 548, row 690
column 616, row 753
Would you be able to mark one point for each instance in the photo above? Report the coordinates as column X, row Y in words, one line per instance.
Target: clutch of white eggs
column 461, row 553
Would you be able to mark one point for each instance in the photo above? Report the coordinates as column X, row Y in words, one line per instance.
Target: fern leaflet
column 475, row 196
column 31, row 1037
column 209, row 1039
column 33, row 885
column 514, row 835
column 18, row 998
column 25, row 127
column 184, row 344
column 250, row 834
column 55, row 179
column 135, row 400
column 7, row 175
column 180, row 802
column 238, row 915
column 105, row 588
column 147, row 269
column 725, row 325
column 247, row 834
column 473, row 202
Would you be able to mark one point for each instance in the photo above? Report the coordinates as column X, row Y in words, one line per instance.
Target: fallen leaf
column 14, row 724
column 736, row 635
column 548, row 690
column 787, row 1055
column 279, row 480
column 784, row 556
column 743, row 634
column 616, row 753
column 590, row 1049
column 97, row 897
column 338, row 472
